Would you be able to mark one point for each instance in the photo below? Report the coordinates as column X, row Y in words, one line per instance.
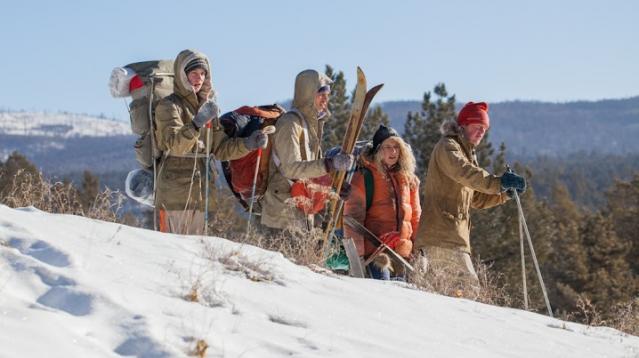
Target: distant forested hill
column 554, row 129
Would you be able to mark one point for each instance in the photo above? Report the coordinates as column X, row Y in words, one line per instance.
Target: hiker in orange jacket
column 394, row 210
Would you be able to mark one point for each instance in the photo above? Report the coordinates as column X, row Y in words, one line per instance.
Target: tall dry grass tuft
column 295, row 243
column 622, row 316
column 450, row 283
column 28, row 189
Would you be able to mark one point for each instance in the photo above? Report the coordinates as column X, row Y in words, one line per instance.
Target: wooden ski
column 355, row 264
column 362, row 100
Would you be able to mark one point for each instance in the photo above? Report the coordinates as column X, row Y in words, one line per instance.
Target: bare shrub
column 625, row 317
column 28, row 189
column 622, row 316
column 254, row 270
column 193, row 294
column 200, row 348
column 295, row 243
column 450, row 283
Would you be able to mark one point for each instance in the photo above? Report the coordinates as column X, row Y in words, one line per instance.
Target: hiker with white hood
column 297, row 154
column 189, row 134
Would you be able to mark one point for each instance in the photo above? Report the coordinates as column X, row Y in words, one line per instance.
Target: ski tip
column 376, row 88
column 360, row 72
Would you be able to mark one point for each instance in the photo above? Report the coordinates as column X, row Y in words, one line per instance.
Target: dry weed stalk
column 200, row 348
column 27, row 190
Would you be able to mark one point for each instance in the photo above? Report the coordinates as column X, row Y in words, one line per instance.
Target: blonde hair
column 405, row 164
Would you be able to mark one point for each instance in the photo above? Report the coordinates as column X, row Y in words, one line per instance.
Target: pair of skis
column 361, row 101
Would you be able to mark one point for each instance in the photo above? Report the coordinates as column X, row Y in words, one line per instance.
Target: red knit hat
column 474, row 113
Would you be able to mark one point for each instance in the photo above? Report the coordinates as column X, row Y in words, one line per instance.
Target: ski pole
column 266, row 130
column 532, row 251
column 523, row 262
column 208, row 178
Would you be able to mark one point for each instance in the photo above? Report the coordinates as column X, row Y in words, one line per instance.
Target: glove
column 256, row 140
column 340, row 162
column 511, row 182
column 346, row 190
column 208, row 111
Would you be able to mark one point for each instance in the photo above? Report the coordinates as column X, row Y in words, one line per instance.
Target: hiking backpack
column 146, row 83
column 239, row 173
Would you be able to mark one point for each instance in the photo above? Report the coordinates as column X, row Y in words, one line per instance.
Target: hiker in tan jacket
column 187, row 123
column 455, row 183
column 296, row 152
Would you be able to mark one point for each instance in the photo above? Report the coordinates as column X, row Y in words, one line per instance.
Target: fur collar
column 451, row 128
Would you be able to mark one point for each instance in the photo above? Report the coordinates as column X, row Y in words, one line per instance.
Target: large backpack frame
column 157, row 82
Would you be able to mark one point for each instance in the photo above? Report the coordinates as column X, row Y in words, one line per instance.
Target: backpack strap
column 369, row 186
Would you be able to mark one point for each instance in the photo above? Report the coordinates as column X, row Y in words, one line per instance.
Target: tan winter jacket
column 454, row 184
column 182, row 168
column 289, row 148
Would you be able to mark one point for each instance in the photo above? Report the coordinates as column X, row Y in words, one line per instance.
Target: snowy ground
column 60, row 125
column 75, row 287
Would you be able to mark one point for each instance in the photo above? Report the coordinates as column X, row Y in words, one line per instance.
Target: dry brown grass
column 200, row 348
column 61, row 198
column 193, row 294
column 622, row 316
column 295, row 243
column 450, row 284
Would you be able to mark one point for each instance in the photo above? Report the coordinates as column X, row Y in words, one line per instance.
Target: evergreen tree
column 499, row 163
column 611, row 280
column 90, row 189
column 485, row 152
column 421, row 129
column 340, row 107
column 623, row 208
column 14, row 172
column 374, row 118
column 569, row 271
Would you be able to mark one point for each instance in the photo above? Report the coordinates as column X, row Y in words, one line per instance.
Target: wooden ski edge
column 367, row 101
column 359, row 99
column 356, row 269
column 350, row 137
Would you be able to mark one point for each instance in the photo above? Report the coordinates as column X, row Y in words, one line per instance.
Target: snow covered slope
column 75, row 287
column 60, row 125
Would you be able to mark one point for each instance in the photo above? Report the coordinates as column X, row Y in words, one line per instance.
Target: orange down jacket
column 395, row 206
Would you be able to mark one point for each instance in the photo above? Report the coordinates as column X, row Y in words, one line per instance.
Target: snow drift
column 76, row 287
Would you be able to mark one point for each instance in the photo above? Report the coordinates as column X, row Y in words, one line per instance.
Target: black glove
column 340, row 162
column 511, row 182
column 256, row 140
column 208, row 111
column 346, row 190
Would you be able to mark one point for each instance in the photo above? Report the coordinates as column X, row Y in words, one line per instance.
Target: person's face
column 475, row 132
column 390, row 152
column 321, row 101
column 196, row 78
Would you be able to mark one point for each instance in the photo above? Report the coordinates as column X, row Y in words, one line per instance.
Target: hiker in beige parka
column 454, row 184
column 296, row 153
column 185, row 120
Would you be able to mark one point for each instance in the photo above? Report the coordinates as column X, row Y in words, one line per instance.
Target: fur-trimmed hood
column 181, row 84
column 451, row 128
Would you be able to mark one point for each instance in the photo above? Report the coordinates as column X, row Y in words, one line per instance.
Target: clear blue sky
column 57, row 55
